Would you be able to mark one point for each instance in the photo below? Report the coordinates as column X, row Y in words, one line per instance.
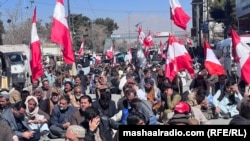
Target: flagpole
column 177, row 79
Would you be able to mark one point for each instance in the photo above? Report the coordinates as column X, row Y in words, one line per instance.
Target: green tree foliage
column 94, row 32
column 109, row 23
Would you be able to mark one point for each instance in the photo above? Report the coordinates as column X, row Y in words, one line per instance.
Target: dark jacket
column 105, row 128
column 58, row 118
column 110, row 111
column 239, row 120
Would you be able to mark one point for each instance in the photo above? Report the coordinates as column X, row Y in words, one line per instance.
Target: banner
column 208, row 132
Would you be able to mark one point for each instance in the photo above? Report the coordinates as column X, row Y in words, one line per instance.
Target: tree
column 224, row 11
column 109, row 23
column 94, row 32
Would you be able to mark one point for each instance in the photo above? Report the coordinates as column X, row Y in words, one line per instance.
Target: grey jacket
column 8, row 116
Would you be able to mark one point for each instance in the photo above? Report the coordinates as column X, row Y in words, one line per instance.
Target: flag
column 81, row 49
column 189, row 42
column 109, row 53
column 179, row 17
column 141, row 35
column 98, row 59
column 141, row 60
column 212, row 64
column 182, row 57
column 241, row 55
column 160, row 50
column 36, row 63
column 148, row 41
column 170, row 66
column 129, row 53
column 60, row 32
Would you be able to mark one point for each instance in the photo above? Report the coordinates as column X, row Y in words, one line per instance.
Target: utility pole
column 69, row 14
column 208, row 35
column 198, row 23
column 129, row 27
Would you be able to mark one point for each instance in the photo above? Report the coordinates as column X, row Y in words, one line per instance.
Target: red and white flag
column 148, row 41
column 170, row 67
column 36, row 63
column 98, row 59
column 182, row 57
column 160, row 50
column 141, row 35
column 60, row 32
column 80, row 53
column 109, row 53
column 189, row 42
column 130, row 54
column 212, row 63
column 179, row 17
column 241, row 54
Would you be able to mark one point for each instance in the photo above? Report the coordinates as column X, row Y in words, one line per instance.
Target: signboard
column 242, row 8
column 161, row 34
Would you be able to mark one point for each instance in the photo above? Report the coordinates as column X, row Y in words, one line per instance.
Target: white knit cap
column 78, row 130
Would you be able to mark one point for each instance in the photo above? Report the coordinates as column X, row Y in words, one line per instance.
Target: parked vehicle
column 223, row 50
column 5, row 72
column 19, row 56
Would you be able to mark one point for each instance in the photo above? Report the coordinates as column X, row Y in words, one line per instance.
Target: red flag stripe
column 60, row 33
column 179, row 17
column 36, row 54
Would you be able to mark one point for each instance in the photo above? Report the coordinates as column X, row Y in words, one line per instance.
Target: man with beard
column 61, row 117
column 105, row 104
column 53, row 101
column 78, row 116
column 153, row 94
column 68, row 87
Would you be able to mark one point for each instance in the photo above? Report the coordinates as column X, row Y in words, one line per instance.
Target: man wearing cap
column 75, row 133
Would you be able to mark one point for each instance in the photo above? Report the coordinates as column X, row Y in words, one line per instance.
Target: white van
column 224, row 52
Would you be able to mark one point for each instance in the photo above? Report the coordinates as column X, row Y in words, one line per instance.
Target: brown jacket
column 77, row 118
column 6, row 133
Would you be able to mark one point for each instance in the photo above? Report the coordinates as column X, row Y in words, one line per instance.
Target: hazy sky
column 153, row 14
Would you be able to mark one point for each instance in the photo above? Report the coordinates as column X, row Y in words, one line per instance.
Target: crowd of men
column 59, row 104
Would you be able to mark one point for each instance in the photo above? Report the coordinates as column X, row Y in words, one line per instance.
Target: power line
column 110, row 10
column 93, row 11
column 3, row 3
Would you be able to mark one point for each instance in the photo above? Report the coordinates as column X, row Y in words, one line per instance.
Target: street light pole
column 129, row 27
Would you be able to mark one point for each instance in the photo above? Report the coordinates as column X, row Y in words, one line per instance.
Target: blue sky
column 153, row 14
